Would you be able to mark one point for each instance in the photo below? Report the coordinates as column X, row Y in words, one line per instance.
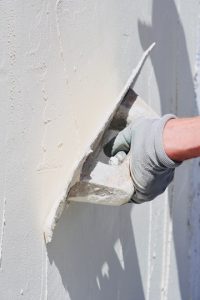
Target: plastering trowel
column 100, row 178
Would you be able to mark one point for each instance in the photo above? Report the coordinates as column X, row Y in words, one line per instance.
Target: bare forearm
column 181, row 138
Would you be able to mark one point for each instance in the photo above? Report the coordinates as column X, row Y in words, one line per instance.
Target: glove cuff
column 159, row 145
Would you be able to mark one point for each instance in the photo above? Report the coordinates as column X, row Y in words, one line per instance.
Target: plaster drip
column 2, row 228
column 60, row 203
column 167, row 234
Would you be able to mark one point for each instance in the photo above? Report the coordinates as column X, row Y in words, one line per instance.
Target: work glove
column 150, row 167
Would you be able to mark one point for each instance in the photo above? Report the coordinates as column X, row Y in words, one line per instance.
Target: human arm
column 151, row 168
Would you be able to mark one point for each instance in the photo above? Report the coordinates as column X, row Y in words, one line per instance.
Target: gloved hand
column 151, row 169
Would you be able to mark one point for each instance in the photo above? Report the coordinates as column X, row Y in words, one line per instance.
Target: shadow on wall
column 169, row 58
column 94, row 246
column 94, row 249
column 174, row 78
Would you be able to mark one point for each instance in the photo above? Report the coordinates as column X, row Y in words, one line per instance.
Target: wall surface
column 63, row 64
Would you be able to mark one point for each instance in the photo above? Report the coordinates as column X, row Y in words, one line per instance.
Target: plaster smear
column 59, row 204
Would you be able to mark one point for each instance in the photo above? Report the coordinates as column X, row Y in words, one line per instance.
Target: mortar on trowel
column 105, row 179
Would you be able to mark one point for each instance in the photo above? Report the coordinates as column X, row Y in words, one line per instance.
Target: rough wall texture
column 62, row 66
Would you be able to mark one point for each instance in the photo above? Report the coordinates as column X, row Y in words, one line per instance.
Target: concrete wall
column 62, row 66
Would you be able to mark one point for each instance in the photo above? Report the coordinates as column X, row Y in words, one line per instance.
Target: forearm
column 181, row 138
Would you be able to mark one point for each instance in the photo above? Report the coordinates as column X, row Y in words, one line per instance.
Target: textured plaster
column 62, row 67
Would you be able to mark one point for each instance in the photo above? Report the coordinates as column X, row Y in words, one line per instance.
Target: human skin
column 181, row 138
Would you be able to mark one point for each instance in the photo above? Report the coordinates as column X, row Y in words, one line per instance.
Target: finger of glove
column 122, row 141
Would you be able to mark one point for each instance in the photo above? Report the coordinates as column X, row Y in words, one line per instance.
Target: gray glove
column 151, row 169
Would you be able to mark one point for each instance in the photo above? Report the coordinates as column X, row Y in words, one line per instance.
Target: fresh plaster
column 63, row 65
column 100, row 169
